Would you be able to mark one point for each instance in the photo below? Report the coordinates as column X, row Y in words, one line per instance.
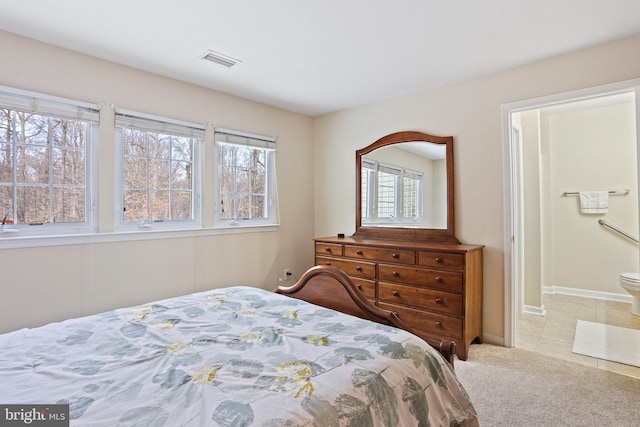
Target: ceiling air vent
column 220, row 59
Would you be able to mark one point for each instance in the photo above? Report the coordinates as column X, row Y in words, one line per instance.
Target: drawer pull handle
column 438, row 300
column 439, row 324
column 395, row 293
column 395, row 274
column 438, row 279
column 358, row 268
column 327, row 249
column 438, row 260
column 359, row 287
column 358, row 252
column 395, row 256
column 327, row 263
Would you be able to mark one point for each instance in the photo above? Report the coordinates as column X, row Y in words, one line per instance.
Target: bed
column 237, row 356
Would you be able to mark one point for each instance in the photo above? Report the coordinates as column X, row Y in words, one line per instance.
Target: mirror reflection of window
column 397, row 194
column 405, row 185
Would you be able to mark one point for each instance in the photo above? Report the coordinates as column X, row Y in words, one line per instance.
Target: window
column 45, row 163
column 246, row 190
column 390, row 194
column 158, row 170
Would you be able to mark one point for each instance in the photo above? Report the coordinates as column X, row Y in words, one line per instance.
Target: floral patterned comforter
column 236, row 356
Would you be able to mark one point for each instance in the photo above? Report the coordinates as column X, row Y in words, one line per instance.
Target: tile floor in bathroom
column 553, row 334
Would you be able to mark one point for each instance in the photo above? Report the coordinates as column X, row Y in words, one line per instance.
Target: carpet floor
column 514, row 387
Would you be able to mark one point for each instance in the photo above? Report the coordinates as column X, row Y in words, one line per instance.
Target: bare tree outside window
column 243, row 176
column 158, row 181
column 42, row 168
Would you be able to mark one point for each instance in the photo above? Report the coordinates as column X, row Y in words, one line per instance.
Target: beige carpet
column 608, row 342
column 513, row 387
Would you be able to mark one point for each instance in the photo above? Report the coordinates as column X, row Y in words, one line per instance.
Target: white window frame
column 147, row 122
column 46, row 105
column 266, row 143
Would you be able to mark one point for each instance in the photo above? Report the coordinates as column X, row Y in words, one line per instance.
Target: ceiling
column 316, row 57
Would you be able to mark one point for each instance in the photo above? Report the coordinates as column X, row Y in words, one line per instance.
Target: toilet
column 631, row 283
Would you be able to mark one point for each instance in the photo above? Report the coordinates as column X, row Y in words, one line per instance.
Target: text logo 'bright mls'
column 36, row 415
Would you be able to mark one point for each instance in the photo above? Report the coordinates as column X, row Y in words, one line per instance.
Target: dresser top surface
column 404, row 244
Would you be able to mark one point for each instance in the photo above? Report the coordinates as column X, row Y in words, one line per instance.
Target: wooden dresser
column 435, row 288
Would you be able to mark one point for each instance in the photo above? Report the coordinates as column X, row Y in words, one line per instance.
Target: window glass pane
column 32, row 164
column 68, row 166
column 33, row 204
column 135, row 205
column 159, row 145
column 227, row 182
column 181, row 175
column 159, row 205
column 6, row 201
column 135, row 143
column 258, row 181
column 242, row 181
column 135, row 172
column 410, row 198
column 5, row 128
column 68, row 204
column 226, row 206
column 243, row 156
column 242, row 206
column 67, row 133
column 258, row 207
column 386, row 195
column 32, row 129
column 180, row 205
column 182, row 148
column 227, row 154
column 6, row 163
column 159, row 174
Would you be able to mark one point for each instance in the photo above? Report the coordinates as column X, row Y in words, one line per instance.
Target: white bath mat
column 608, row 342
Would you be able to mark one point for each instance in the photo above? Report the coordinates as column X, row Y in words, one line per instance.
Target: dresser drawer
column 441, row 260
column 363, row 269
column 328, row 249
column 367, row 287
column 377, row 254
column 446, row 280
column 434, row 323
column 444, row 302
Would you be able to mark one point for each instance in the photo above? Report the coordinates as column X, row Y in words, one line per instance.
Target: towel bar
column 611, row 192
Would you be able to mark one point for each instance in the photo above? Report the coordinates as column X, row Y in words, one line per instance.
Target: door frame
column 513, row 197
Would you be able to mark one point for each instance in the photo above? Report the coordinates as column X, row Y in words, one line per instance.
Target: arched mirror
column 404, row 188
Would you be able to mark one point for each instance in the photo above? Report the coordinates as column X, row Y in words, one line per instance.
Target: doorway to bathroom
column 564, row 263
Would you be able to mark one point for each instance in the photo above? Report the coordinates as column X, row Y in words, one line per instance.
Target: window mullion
column 51, row 176
column 14, row 172
column 147, row 175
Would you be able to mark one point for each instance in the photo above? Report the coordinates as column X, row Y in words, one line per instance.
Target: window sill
column 13, row 241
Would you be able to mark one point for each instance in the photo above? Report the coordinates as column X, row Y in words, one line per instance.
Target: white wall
column 470, row 112
column 45, row 284
column 590, row 149
column 532, row 207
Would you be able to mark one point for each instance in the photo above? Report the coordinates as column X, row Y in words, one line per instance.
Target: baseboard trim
column 532, row 309
column 607, row 296
column 492, row 339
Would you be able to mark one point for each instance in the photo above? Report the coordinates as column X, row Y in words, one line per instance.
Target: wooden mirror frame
column 406, row 233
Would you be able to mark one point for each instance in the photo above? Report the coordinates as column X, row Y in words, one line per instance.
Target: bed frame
column 330, row 287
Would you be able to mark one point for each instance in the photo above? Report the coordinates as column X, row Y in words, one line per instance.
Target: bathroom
column 571, row 263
